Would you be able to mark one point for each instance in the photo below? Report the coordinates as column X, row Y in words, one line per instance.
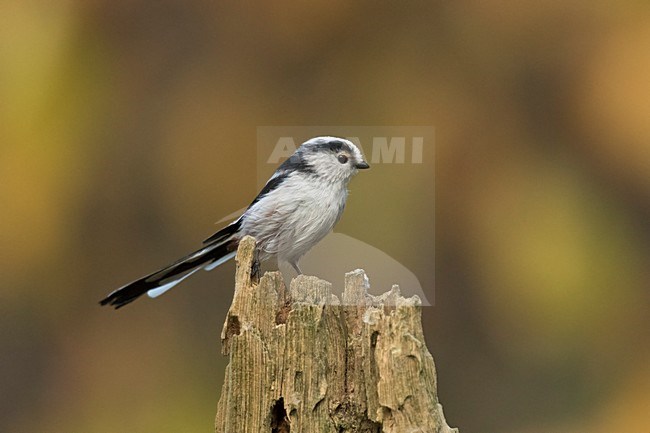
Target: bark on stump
column 300, row 360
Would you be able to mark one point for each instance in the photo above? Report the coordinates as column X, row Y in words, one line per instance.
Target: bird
column 297, row 207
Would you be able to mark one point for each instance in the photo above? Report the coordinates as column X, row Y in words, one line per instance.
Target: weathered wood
column 302, row 361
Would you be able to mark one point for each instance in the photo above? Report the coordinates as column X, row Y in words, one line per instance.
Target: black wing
column 295, row 163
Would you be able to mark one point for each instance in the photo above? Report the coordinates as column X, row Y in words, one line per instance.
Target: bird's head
column 333, row 158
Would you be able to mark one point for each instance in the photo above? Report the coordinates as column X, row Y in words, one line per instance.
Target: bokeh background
column 128, row 127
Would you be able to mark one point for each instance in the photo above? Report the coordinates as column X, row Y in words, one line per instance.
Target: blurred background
column 128, row 128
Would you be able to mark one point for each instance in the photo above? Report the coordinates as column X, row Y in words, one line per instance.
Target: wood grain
column 301, row 360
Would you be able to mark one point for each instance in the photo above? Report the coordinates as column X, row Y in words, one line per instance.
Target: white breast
column 290, row 220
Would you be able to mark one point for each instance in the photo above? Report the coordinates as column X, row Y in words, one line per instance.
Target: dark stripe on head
column 334, row 146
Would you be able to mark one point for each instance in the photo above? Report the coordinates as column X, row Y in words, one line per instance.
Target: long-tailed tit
column 297, row 207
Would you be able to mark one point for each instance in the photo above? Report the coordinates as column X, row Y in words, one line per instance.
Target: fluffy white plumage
column 298, row 206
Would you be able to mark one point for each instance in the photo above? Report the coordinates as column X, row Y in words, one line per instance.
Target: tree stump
column 300, row 360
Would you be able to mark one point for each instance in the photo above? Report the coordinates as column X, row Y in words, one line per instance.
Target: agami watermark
column 404, row 172
column 384, row 150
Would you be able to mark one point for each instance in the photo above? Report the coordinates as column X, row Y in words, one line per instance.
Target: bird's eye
column 342, row 159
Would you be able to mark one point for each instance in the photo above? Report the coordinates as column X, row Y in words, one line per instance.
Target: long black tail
column 157, row 283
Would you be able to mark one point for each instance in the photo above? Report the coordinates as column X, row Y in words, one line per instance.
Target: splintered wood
column 302, row 361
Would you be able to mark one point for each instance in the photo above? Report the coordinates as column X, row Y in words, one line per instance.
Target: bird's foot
column 296, row 268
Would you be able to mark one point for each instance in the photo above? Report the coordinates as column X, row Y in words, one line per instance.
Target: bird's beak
column 362, row 165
